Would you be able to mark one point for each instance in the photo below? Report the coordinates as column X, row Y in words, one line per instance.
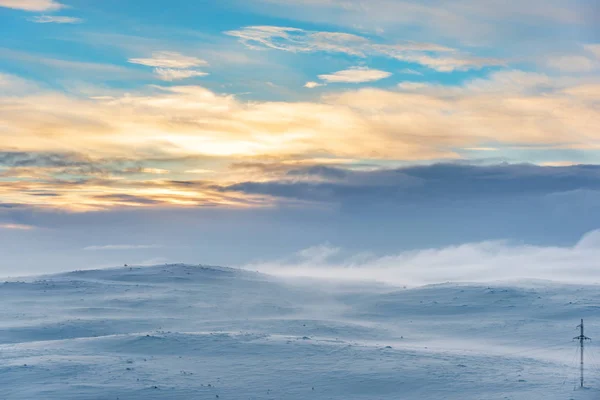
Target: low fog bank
column 476, row 262
column 488, row 261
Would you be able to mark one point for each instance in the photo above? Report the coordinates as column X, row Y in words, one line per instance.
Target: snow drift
column 181, row 332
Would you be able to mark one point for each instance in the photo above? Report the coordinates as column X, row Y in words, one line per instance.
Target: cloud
column 32, row 5
column 47, row 164
column 404, row 222
column 408, row 71
column 470, row 262
column 435, row 56
column 593, row 49
column 83, row 69
column 509, row 107
column 156, row 171
column 62, row 141
column 439, row 58
column 78, row 182
column 423, row 184
column 583, row 59
column 573, row 63
column 413, row 85
column 446, row 63
column 56, row 19
column 299, row 40
column 41, row 159
column 470, row 21
column 198, row 171
column 169, row 59
column 16, row 226
column 355, row 75
column 516, row 81
column 15, row 85
column 62, row 190
column 172, row 66
column 122, row 247
column 312, row 85
column 171, row 74
column 484, row 149
column 559, row 163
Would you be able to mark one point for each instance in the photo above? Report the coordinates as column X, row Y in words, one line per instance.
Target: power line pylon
column 582, row 338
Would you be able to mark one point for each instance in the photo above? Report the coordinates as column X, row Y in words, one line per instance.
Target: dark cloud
column 127, row 198
column 320, row 170
column 430, row 183
column 41, row 159
column 62, row 163
column 196, row 184
column 42, row 194
column 12, row 205
column 300, row 165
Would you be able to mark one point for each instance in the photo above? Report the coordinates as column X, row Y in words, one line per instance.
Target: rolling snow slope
column 192, row 332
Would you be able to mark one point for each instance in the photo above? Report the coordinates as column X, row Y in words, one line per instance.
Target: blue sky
column 232, row 117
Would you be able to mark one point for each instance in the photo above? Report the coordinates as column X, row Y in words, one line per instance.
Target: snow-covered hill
column 193, row 332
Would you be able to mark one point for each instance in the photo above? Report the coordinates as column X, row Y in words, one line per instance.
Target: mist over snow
column 383, row 211
column 471, row 262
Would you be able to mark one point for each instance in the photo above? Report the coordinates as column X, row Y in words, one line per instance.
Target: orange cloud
column 178, row 123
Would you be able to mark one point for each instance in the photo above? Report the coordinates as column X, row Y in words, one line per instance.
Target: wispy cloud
column 573, row 63
column 15, row 85
column 355, row 75
column 72, row 66
column 431, row 55
column 299, row 40
column 169, row 59
column 470, row 21
column 171, row 74
column 172, row 66
column 408, row 71
column 55, row 19
column 122, row 247
column 457, row 62
column 32, row 5
column 21, row 227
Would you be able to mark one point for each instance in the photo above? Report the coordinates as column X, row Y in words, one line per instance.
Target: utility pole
column 582, row 338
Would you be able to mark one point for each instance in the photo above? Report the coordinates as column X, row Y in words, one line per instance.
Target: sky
column 242, row 132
